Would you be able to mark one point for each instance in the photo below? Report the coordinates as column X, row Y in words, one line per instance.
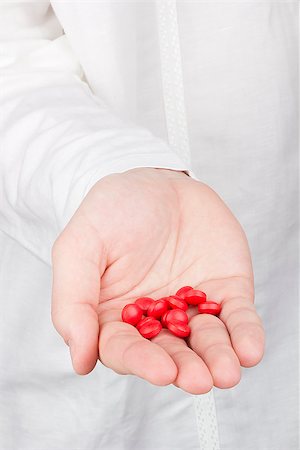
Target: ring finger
column 210, row 340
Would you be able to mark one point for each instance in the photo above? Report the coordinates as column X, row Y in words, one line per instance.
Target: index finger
column 123, row 349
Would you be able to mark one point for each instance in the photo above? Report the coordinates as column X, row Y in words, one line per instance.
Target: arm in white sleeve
column 57, row 137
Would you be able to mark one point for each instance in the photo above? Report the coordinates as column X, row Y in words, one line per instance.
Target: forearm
column 57, row 138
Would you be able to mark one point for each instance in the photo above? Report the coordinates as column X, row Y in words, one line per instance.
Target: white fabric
column 172, row 80
column 80, row 105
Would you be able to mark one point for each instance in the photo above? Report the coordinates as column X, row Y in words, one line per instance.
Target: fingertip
column 166, row 377
column 152, row 363
column 197, row 382
column 227, row 379
column 83, row 362
column 250, row 349
column 250, row 354
column 162, row 370
column 79, row 327
column 227, row 373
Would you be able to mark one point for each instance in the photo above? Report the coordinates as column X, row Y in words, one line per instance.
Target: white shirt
column 92, row 88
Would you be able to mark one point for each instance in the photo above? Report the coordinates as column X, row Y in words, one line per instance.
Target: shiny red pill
column 164, row 318
column 144, row 303
column 143, row 321
column 194, row 297
column 165, row 299
column 157, row 308
column 209, row 307
column 179, row 329
column 182, row 291
column 175, row 301
column 150, row 328
column 177, row 314
column 132, row 313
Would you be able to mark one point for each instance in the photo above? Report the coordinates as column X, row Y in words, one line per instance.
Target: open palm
column 148, row 232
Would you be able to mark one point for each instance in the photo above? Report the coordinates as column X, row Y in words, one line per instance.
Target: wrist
column 169, row 173
column 174, row 172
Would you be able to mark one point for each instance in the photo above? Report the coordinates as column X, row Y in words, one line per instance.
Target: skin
column 148, row 232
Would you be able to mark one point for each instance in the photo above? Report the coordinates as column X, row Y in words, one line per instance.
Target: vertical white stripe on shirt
column 173, row 93
column 172, row 81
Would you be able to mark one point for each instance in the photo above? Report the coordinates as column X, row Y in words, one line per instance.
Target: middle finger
column 193, row 375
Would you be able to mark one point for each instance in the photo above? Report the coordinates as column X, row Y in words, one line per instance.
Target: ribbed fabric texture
column 172, row 80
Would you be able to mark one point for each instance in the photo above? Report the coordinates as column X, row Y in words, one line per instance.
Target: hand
column 148, row 232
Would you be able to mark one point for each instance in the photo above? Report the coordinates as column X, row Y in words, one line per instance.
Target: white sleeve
column 57, row 137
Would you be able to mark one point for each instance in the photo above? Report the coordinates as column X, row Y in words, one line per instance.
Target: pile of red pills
column 149, row 316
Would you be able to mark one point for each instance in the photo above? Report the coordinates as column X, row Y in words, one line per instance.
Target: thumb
column 78, row 263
